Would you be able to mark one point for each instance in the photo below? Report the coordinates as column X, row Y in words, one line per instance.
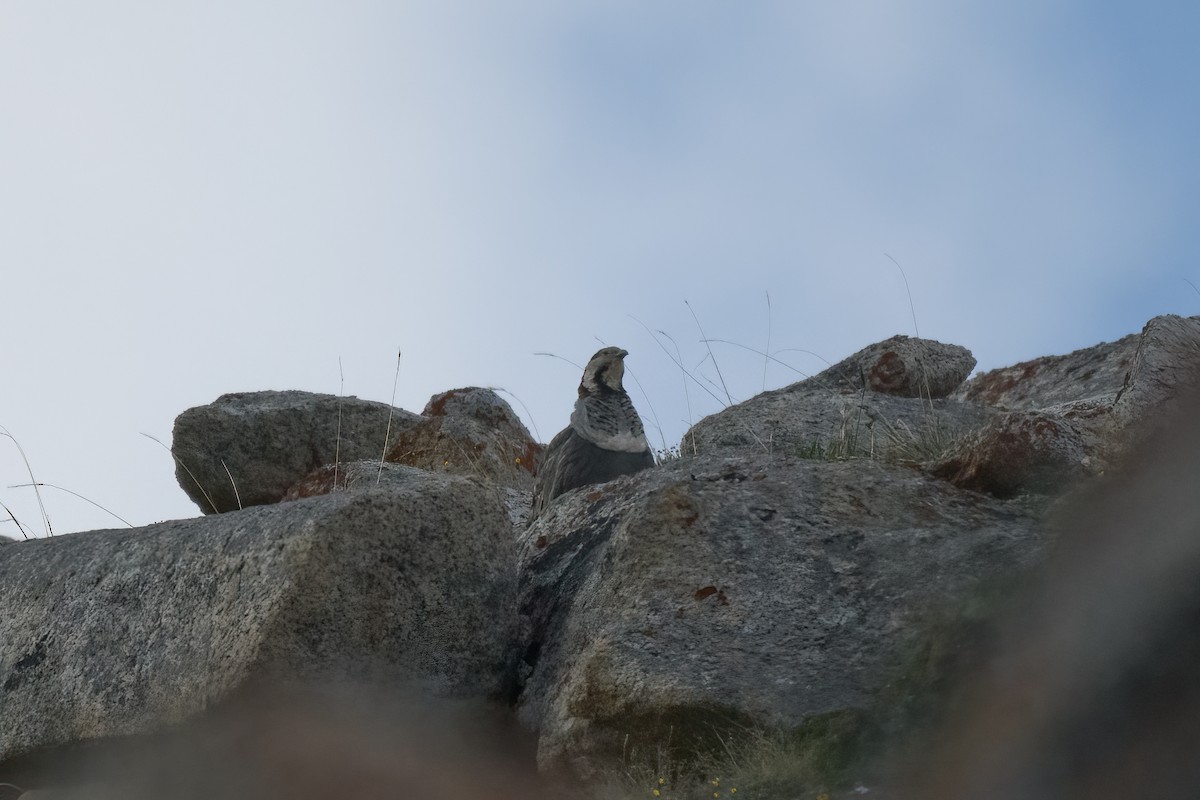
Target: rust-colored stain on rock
column 992, row 387
column 709, row 591
column 437, row 405
column 530, row 456
column 888, row 372
column 677, row 505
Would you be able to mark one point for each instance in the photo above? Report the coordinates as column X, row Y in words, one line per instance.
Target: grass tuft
column 751, row 763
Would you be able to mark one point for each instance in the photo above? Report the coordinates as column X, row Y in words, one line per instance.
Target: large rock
column 901, row 366
column 249, row 448
column 122, row 632
column 882, row 402
column 716, row 592
column 470, row 431
column 807, row 419
column 1091, row 372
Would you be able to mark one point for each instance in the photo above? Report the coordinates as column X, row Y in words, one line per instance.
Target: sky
column 208, row 197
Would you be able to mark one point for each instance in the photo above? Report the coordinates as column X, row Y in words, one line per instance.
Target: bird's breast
column 610, row 423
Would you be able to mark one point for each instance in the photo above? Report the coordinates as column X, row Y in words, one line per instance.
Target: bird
column 604, row 440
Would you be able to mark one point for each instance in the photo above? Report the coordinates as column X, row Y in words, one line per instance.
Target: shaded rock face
column 1093, row 692
column 1028, row 451
column 470, row 431
column 270, row 440
column 901, row 366
column 725, row 591
column 1091, row 372
column 6, row 540
column 111, row 633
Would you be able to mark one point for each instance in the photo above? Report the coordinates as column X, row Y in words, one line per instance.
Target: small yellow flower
column 715, row 781
column 661, row 781
column 656, row 792
column 733, row 790
column 518, row 459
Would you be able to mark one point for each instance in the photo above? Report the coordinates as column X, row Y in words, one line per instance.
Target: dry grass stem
column 191, row 475
column 387, row 434
column 41, row 506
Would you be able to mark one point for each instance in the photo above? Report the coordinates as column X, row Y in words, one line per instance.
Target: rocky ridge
column 772, row 577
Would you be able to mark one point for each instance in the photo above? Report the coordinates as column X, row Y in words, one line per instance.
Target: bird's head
column 604, row 372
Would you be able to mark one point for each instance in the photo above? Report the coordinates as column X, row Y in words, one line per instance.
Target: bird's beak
column 623, row 353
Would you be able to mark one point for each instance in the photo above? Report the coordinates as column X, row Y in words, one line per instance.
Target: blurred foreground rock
column 1093, row 691
column 310, row 744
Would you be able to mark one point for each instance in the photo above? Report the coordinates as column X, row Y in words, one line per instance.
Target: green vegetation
column 951, row 641
column 879, row 439
column 746, row 763
column 704, row 756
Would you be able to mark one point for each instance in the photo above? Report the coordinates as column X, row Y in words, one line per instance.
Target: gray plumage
column 604, row 440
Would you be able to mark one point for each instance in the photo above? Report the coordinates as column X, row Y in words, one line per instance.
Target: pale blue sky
column 199, row 198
